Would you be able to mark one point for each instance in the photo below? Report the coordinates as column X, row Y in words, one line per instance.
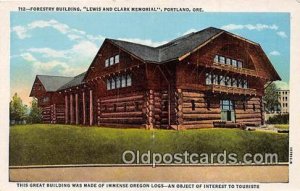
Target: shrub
column 279, row 119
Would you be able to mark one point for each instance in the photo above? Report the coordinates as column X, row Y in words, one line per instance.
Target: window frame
column 111, row 61
column 117, row 59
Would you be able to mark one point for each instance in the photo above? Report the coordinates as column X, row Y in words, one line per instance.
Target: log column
column 262, row 109
column 91, row 107
column 71, row 109
column 76, row 109
column 178, row 109
column 83, row 108
column 150, row 109
column 54, row 113
column 98, row 111
column 66, row 110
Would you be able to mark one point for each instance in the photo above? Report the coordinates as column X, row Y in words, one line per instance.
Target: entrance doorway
column 227, row 110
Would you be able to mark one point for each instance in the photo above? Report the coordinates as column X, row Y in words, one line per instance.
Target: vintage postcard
column 130, row 95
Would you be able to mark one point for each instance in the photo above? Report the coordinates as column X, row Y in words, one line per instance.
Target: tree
column 271, row 98
column 35, row 115
column 17, row 110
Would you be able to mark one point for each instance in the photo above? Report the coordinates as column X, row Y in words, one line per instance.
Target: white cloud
column 61, row 62
column 147, row 42
column 72, row 33
column 258, row 27
column 84, row 49
column 281, row 85
column 21, row 32
column 28, row 57
column 281, row 34
column 275, row 53
column 190, row 31
column 95, row 38
column 48, row 52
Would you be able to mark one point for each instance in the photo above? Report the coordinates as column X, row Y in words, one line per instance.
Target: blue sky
column 65, row 43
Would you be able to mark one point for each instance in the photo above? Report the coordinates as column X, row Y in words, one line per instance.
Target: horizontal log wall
column 53, row 114
column 46, row 114
column 126, row 109
column 161, row 108
column 207, row 109
column 203, row 115
column 60, row 114
column 249, row 111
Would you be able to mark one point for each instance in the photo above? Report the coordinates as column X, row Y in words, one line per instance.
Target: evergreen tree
column 35, row 115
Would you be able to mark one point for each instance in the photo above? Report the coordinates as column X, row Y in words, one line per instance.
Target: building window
column 208, row 79
column 106, row 62
column 108, row 84
column 125, row 106
column 128, row 83
column 115, row 107
column 227, row 105
column 216, row 59
column 234, row 82
column 113, row 83
column 123, row 81
column 240, row 83
column 215, row 79
column 228, row 81
column 45, row 99
column 118, row 82
column 254, row 108
column 228, row 61
column 222, row 80
column 234, row 63
column 111, row 61
column 117, row 59
column 222, row 59
column 240, row 64
column 245, row 84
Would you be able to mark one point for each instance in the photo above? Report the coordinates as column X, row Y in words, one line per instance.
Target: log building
column 203, row 79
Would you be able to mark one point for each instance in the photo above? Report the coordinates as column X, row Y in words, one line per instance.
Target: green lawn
column 282, row 126
column 66, row 144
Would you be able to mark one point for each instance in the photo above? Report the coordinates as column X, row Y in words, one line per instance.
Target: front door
column 227, row 110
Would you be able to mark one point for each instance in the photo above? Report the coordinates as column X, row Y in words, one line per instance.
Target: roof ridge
column 131, row 42
column 54, row 76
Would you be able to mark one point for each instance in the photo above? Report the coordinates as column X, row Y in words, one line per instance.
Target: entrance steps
column 228, row 124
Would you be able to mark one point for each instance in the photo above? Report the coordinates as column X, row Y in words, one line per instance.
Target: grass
column 282, row 126
column 66, row 144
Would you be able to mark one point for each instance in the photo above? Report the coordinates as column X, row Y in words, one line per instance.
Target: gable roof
column 75, row 81
column 171, row 50
column 50, row 83
column 178, row 48
column 53, row 83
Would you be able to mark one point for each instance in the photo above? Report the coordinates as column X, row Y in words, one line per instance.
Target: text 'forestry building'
column 203, row 79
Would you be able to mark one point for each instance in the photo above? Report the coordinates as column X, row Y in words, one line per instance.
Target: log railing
column 230, row 90
column 244, row 71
